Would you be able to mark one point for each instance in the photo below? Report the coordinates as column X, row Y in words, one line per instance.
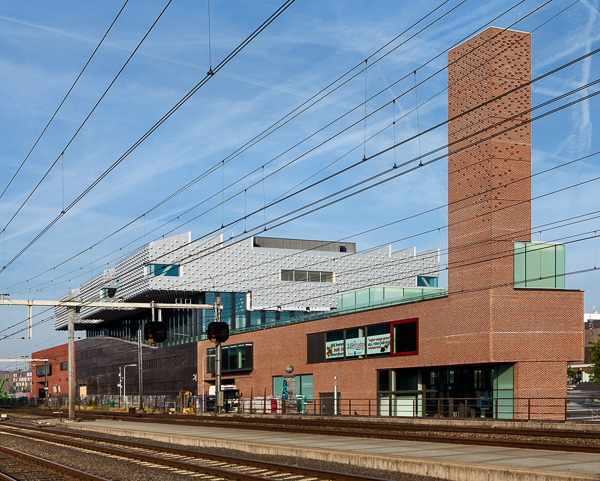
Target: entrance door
column 326, row 403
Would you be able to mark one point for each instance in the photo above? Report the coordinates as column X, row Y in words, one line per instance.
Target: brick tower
column 489, row 161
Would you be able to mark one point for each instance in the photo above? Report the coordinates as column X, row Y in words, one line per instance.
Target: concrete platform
column 445, row 461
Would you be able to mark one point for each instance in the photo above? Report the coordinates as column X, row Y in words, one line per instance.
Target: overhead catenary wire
column 63, row 101
column 74, row 136
column 357, row 74
column 462, row 139
column 258, row 137
column 149, row 132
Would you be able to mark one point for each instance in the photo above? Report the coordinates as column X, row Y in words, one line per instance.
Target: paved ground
column 447, row 461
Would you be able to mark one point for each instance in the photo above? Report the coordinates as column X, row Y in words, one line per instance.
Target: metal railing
column 573, row 408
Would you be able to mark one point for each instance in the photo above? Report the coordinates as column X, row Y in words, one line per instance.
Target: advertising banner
column 378, row 344
column 355, row 346
column 334, row 349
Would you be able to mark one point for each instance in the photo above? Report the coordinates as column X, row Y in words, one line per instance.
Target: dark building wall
column 165, row 370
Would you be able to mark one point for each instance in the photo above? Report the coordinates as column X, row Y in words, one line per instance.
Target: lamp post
column 335, row 399
column 125, row 382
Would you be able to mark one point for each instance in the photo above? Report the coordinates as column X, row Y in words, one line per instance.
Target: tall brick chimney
column 489, row 188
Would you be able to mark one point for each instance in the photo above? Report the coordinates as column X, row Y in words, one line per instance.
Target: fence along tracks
column 220, row 467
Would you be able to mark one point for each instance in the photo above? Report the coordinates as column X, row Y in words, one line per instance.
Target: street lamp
column 125, row 382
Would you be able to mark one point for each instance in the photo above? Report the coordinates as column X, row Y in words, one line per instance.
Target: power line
column 230, row 224
column 63, row 101
column 148, row 133
column 60, row 156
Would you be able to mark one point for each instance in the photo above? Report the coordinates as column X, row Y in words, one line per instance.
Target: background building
column 498, row 342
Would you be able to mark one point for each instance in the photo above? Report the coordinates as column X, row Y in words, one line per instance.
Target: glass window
column 334, row 345
column 163, row 270
column 378, row 339
column 427, row 281
column 41, row 370
column 314, row 276
column 383, row 380
column 326, row 276
column 300, row 276
column 405, row 337
column 306, row 386
column 64, row 366
column 287, row 275
column 355, row 342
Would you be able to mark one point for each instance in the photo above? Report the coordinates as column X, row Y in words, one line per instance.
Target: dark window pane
column 300, row 276
column 405, row 337
column 383, row 380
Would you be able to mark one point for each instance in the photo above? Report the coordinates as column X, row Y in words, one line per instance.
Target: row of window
column 306, row 276
column 398, row 338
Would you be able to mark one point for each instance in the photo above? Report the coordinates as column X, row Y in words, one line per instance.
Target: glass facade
column 452, row 391
column 184, row 326
column 539, row 265
column 374, row 296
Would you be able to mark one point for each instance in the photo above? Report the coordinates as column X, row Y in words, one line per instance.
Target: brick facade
column 484, row 319
column 58, row 380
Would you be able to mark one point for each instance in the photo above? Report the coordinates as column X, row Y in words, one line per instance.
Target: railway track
column 185, row 462
column 27, row 467
column 571, row 440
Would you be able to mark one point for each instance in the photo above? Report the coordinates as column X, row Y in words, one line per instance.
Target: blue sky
column 44, row 46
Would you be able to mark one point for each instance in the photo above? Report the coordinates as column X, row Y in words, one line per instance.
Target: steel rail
column 6, row 477
column 52, row 465
column 232, row 462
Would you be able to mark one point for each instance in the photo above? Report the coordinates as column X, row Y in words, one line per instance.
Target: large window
column 539, row 265
column 405, row 335
column 306, row 276
column 237, row 357
column 398, row 338
column 168, row 270
column 40, row 370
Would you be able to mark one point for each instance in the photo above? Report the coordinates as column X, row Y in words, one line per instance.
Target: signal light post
column 217, row 332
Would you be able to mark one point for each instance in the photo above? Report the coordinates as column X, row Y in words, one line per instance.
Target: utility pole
column 71, row 359
column 218, row 392
column 140, row 370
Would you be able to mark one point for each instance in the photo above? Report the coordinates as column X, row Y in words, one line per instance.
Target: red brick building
column 499, row 342
column 57, row 369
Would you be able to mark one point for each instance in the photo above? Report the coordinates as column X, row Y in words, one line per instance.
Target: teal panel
column 504, row 391
column 362, row 297
column 519, row 264
column 560, row 266
column 376, row 294
column 393, row 292
column 306, row 386
column 277, row 385
column 348, row 300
